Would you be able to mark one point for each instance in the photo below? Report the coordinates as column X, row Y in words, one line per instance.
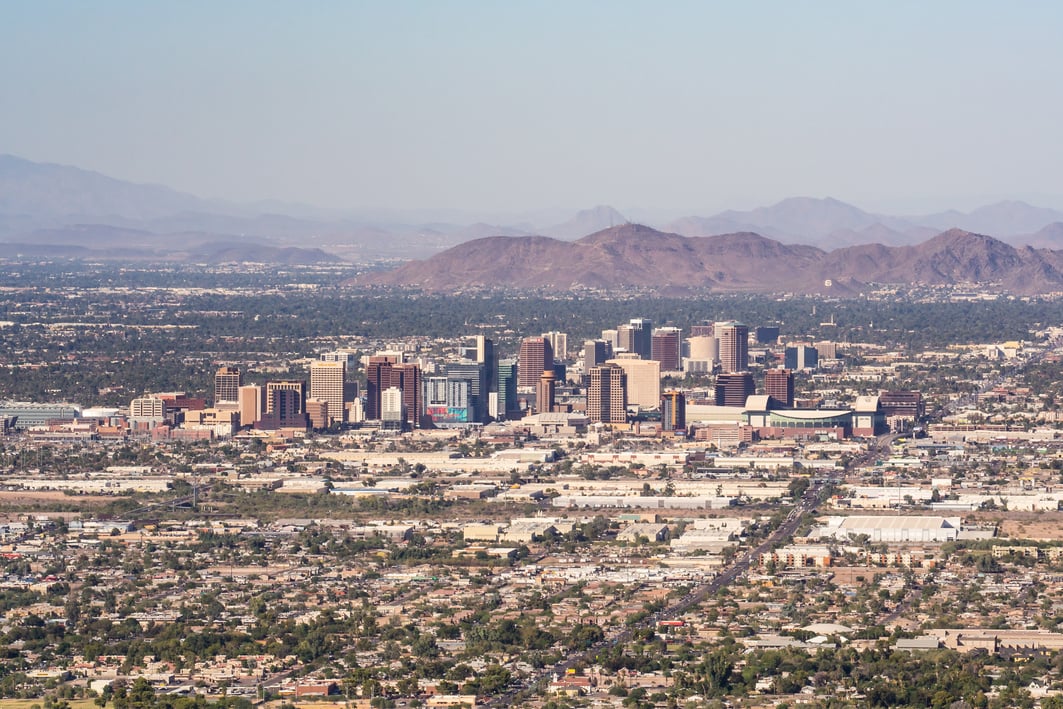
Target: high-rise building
column 327, row 383
column 704, row 347
column 507, row 389
column 295, row 385
column 734, row 346
column 227, row 383
column 544, row 392
column 607, row 394
column 666, row 348
column 673, row 411
column 147, row 410
column 766, row 334
column 903, row 404
column 485, row 355
column 558, row 343
column 801, row 357
column 595, row 352
column 642, row 337
column 286, row 407
column 378, row 378
column 407, row 377
column 706, row 329
column 827, row 349
column 779, row 385
column 348, row 357
column 475, row 374
column 536, row 356
column 643, row 380
column 732, row 389
column 612, row 337
column 250, row 404
column 317, row 410
column 393, row 414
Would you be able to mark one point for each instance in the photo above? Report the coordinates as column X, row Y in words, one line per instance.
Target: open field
column 1046, row 525
column 38, row 497
column 27, row 703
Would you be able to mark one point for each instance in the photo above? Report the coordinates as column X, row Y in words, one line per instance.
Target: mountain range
column 67, row 211
column 636, row 256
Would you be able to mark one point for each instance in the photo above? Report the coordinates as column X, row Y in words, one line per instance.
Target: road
column 812, row 497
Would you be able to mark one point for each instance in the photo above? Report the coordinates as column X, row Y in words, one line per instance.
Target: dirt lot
column 12, row 502
column 1023, row 525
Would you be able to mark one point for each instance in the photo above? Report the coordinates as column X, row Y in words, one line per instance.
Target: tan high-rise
column 227, row 383
column 607, row 394
column 326, row 383
column 734, row 346
column 643, row 380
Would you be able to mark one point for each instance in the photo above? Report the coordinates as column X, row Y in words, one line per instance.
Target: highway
column 811, row 498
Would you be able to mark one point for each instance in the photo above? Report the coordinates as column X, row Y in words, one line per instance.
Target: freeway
column 811, row 498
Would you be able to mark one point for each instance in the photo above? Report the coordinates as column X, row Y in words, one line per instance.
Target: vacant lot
column 1024, row 525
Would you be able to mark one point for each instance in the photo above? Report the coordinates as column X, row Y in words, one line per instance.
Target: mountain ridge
column 638, row 256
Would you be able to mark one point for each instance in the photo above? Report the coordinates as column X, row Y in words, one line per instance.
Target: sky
column 683, row 107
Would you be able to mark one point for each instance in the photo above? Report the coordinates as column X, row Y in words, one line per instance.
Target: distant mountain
column 1003, row 219
column 1049, row 237
column 827, row 223
column 60, row 205
column 43, row 189
column 102, row 241
column 588, row 221
column 638, row 256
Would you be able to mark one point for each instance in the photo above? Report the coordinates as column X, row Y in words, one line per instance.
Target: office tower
column 706, row 329
column 435, row 394
column 625, row 339
column 393, row 414
column 317, row 410
column 666, row 347
column 348, row 357
column 147, row 407
column 641, row 337
column 827, row 349
column 801, row 357
column 286, row 408
column 779, row 385
column 355, row 411
column 447, row 401
column 643, row 377
column 558, row 343
column 475, row 374
column 293, row 385
column 327, row 383
column 544, row 392
column 407, row 377
column 766, row 334
column 902, row 404
column 378, row 378
column 536, row 356
column 250, row 404
column 612, row 337
column 734, row 346
column 595, row 352
column 704, row 348
column 732, row 389
column 485, row 355
column 460, row 405
column 607, row 394
column 507, row 389
column 673, row 411
column 227, row 383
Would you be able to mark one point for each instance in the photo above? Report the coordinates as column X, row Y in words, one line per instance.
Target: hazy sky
column 693, row 106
